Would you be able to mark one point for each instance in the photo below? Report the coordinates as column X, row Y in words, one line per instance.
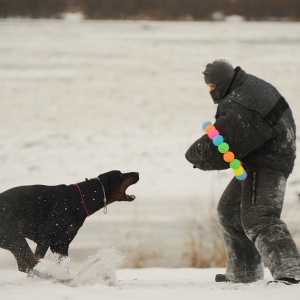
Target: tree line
column 153, row 9
column 33, row 8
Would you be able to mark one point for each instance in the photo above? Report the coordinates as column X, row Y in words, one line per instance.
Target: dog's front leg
column 41, row 250
column 61, row 249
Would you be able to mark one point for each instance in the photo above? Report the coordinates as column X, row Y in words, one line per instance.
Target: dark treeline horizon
column 153, row 9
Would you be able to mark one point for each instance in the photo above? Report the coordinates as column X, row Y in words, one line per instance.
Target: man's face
column 211, row 86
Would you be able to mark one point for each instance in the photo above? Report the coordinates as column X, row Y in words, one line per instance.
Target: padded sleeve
column 243, row 129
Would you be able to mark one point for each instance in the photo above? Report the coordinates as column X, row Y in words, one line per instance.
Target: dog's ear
column 114, row 174
column 112, row 178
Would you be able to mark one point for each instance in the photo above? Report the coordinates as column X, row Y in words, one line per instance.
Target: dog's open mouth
column 131, row 178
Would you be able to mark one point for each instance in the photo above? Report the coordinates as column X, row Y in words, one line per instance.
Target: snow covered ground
column 106, row 282
column 79, row 98
column 149, row 283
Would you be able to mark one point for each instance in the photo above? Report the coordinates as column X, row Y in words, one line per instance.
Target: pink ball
column 213, row 133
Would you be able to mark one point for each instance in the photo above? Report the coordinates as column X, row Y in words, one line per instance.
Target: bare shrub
column 139, row 253
column 205, row 241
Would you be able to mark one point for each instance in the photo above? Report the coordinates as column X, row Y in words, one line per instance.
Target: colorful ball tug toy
column 223, row 147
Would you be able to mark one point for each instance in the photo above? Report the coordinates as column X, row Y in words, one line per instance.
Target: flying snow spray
column 223, row 148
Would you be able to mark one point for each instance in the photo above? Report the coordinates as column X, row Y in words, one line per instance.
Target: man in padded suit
column 257, row 123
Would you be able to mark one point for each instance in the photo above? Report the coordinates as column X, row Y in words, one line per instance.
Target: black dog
column 51, row 215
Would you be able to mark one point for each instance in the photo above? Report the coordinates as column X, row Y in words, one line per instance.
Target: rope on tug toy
column 223, row 147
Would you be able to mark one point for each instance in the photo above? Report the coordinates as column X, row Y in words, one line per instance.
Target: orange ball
column 208, row 128
column 228, row 156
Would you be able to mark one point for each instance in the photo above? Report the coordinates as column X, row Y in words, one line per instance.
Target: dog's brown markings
column 71, row 228
column 120, row 194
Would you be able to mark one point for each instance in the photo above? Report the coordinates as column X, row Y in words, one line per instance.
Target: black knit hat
column 220, row 72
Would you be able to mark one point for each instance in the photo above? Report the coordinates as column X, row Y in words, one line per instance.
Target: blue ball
column 205, row 124
column 242, row 177
column 217, row 140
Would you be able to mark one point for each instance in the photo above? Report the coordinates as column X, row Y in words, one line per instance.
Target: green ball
column 223, row 147
column 235, row 164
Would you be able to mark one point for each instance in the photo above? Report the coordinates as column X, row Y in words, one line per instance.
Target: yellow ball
column 239, row 171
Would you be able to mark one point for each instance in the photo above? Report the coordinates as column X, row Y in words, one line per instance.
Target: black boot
column 289, row 281
column 286, row 280
column 221, row 278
